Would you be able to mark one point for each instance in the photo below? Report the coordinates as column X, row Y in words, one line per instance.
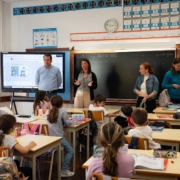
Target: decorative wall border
column 64, row 7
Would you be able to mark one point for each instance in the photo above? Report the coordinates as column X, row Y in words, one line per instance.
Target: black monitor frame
column 29, row 90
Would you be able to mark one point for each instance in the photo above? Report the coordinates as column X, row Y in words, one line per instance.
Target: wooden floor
column 79, row 175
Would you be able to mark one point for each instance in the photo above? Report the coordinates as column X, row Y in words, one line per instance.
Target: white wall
column 18, row 36
column 17, row 31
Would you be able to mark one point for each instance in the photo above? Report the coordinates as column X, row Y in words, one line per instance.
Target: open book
column 143, row 161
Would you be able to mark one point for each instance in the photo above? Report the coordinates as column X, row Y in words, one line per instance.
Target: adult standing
column 146, row 87
column 171, row 81
column 85, row 83
column 48, row 77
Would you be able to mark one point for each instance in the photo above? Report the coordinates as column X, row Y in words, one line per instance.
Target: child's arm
column 65, row 118
column 26, row 149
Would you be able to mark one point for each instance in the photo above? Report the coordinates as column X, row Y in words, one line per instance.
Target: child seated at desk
column 41, row 104
column 99, row 102
column 7, row 125
column 142, row 130
column 56, row 120
column 113, row 163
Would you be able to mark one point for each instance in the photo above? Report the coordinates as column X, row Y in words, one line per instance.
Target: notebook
column 143, row 161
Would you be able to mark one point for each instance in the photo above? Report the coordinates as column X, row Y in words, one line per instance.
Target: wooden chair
column 143, row 143
column 5, row 152
column 44, row 129
column 96, row 115
column 39, row 112
column 97, row 176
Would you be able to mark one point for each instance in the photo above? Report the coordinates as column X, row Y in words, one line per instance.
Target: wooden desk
column 73, row 129
column 159, row 110
column 26, row 120
column 80, row 111
column 154, row 117
column 44, row 143
column 169, row 137
column 171, row 173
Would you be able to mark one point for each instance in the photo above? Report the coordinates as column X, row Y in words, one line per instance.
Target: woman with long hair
column 85, row 83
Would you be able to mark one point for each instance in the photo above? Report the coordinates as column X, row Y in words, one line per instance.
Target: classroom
column 145, row 31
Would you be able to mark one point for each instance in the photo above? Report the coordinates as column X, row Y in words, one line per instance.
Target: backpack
column 164, row 99
column 8, row 170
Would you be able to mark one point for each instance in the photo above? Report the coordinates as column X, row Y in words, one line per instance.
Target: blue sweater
column 168, row 81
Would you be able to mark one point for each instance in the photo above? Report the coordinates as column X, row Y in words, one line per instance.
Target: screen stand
column 13, row 102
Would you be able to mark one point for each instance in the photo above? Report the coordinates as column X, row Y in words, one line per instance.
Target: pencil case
column 165, row 153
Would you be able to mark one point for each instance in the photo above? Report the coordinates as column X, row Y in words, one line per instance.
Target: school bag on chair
column 164, row 99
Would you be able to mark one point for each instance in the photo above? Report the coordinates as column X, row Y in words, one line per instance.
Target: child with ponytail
column 56, row 120
column 113, row 162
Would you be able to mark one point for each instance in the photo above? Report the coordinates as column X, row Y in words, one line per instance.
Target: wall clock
column 111, row 25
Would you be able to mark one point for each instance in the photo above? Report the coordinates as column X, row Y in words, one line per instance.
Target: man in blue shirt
column 48, row 77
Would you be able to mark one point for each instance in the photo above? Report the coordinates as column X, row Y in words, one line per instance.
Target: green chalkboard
column 117, row 72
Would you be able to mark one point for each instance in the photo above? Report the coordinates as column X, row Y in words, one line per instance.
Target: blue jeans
column 68, row 153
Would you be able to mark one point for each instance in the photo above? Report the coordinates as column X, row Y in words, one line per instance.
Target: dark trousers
column 151, row 105
column 27, row 171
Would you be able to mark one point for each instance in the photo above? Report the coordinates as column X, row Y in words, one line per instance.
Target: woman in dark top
column 85, row 83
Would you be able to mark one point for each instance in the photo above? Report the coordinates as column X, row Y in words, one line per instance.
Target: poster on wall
column 164, row 22
column 145, row 11
column 174, row 22
column 155, row 9
column 127, row 25
column 155, row 23
column 145, row 24
column 127, row 12
column 174, row 8
column 164, row 9
column 136, row 24
column 45, row 38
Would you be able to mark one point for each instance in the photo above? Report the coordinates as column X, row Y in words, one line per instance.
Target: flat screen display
column 18, row 70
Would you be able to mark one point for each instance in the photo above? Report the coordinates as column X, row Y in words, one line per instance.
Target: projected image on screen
column 18, row 70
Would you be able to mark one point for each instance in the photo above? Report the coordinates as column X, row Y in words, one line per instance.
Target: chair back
column 143, row 143
column 44, row 129
column 5, row 152
column 41, row 112
column 96, row 115
column 98, row 176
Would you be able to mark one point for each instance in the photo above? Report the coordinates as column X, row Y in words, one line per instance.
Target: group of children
column 110, row 135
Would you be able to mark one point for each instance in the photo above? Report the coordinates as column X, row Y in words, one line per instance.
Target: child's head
column 111, row 137
column 127, row 110
column 100, row 100
column 40, row 95
column 7, row 124
column 56, row 102
column 139, row 116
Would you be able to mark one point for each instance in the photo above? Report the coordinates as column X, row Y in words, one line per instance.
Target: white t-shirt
column 9, row 141
column 92, row 108
column 144, row 132
column 143, row 85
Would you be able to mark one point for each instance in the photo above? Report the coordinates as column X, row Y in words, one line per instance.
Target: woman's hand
column 77, row 83
column 144, row 99
column 90, row 84
column 176, row 86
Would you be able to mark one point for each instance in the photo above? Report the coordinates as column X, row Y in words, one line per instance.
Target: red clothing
column 130, row 123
